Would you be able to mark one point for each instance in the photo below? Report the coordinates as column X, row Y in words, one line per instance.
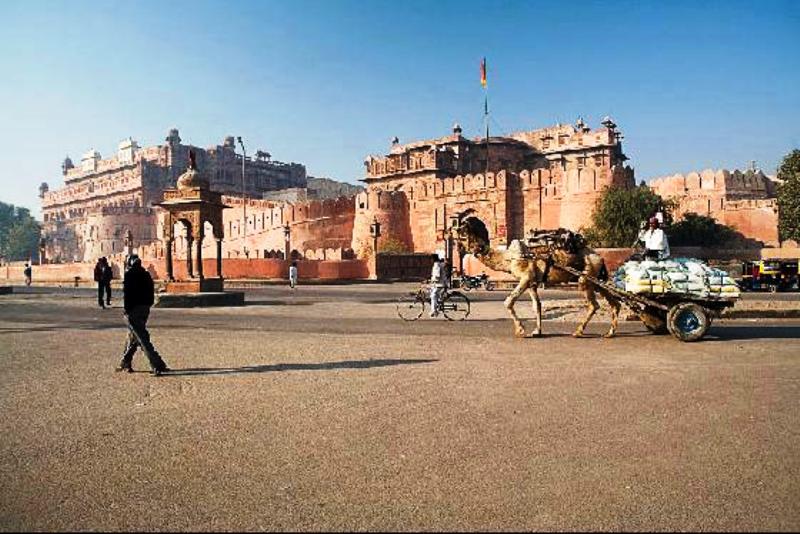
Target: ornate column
column 168, row 251
column 219, row 258
column 189, row 264
column 199, row 256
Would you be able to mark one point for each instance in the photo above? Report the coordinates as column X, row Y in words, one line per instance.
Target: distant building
column 104, row 198
column 546, row 178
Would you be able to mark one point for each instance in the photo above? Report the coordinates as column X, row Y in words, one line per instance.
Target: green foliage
column 390, row 245
column 619, row 213
column 789, row 197
column 695, row 230
column 19, row 233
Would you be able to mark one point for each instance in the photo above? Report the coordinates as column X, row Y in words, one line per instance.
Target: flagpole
column 486, row 110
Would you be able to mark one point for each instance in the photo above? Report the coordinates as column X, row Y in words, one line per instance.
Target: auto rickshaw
column 770, row 275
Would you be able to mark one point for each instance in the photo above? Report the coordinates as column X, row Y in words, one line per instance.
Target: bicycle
column 453, row 304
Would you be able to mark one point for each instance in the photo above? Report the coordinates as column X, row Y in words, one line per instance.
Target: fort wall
column 742, row 200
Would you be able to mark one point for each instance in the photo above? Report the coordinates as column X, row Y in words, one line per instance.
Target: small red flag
column 483, row 72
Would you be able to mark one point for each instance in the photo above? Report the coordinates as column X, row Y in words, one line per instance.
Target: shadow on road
column 276, row 303
column 325, row 366
column 730, row 333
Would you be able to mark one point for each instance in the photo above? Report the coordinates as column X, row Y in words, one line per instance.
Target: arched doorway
column 469, row 219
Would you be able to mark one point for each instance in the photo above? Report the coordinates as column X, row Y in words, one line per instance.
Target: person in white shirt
column 438, row 283
column 293, row 275
column 655, row 242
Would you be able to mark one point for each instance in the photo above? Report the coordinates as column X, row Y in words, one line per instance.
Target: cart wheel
column 654, row 323
column 688, row 321
column 490, row 286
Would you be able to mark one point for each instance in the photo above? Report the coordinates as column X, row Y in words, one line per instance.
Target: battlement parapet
column 722, row 182
column 558, row 138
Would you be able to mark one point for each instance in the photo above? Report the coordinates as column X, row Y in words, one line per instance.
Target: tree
column 789, row 197
column 698, row 230
column 19, row 233
column 619, row 213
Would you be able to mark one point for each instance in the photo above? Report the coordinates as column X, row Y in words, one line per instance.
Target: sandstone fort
column 545, row 178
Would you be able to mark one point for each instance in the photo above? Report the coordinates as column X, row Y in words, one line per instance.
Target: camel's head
column 473, row 236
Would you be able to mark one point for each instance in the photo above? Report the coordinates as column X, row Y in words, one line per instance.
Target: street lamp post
column 244, row 201
column 286, row 236
column 375, row 232
column 455, row 224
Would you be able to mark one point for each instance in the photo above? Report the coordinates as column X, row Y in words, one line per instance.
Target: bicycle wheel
column 455, row 306
column 410, row 307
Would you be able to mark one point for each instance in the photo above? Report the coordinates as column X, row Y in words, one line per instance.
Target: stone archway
column 469, row 219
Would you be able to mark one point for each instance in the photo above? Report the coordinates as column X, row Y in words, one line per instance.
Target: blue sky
column 691, row 84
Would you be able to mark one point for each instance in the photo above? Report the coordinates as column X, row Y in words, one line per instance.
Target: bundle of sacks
column 675, row 275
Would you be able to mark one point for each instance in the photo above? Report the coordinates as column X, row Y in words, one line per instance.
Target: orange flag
column 483, row 72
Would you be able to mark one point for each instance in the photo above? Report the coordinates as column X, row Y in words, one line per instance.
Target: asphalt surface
column 321, row 410
column 377, row 293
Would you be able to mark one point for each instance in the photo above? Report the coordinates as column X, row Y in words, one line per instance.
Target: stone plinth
column 195, row 286
column 199, row 300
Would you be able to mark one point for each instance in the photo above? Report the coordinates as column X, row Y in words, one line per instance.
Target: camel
column 529, row 266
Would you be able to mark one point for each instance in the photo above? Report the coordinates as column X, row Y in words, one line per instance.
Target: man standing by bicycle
column 439, row 280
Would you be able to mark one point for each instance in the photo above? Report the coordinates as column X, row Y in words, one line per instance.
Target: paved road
column 375, row 293
column 320, row 410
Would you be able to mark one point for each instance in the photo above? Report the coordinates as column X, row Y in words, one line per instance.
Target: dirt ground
column 321, row 410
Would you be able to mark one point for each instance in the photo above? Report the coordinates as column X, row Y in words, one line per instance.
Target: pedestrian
column 28, row 274
column 438, row 283
column 293, row 275
column 103, row 274
column 138, row 297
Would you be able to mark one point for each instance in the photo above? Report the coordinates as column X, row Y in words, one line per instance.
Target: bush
column 391, row 245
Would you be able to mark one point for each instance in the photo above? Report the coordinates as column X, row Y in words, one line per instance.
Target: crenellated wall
column 743, row 200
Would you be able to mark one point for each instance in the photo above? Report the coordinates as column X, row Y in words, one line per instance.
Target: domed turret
column 173, row 138
column 43, row 188
column 191, row 179
column 66, row 165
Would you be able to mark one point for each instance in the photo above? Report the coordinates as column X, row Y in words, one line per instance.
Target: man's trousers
column 138, row 336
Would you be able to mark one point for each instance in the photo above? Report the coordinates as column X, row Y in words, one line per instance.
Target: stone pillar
column 189, row 264
column 168, row 252
column 219, row 258
column 199, row 256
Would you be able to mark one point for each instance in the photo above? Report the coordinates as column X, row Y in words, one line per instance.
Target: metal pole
column 244, row 200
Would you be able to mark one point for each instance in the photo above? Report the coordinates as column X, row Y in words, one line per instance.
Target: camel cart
column 685, row 316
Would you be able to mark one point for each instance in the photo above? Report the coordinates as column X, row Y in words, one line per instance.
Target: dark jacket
column 107, row 275
column 137, row 287
column 103, row 273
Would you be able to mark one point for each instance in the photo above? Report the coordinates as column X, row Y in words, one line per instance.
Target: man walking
column 28, row 272
column 138, row 298
column 293, row 275
column 103, row 275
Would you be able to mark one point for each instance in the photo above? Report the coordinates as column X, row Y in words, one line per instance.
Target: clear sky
column 691, row 84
